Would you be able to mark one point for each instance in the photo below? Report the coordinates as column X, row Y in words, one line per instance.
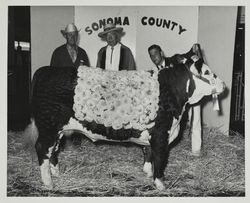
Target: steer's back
column 52, row 97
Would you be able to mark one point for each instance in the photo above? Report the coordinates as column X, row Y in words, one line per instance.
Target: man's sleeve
column 53, row 61
column 98, row 63
column 86, row 59
column 132, row 65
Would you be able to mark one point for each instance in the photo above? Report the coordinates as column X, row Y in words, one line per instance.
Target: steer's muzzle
column 218, row 86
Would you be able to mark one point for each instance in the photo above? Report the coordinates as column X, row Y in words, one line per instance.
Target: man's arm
column 85, row 58
column 131, row 65
column 53, row 61
column 100, row 58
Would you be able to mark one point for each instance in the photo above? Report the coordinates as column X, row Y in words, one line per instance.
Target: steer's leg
column 196, row 133
column 159, row 144
column 44, row 147
column 54, row 167
column 147, row 167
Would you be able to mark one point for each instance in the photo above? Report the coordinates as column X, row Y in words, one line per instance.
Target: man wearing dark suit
column 157, row 56
column 69, row 54
column 194, row 54
column 114, row 56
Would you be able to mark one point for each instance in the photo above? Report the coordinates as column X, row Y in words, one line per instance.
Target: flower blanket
column 117, row 99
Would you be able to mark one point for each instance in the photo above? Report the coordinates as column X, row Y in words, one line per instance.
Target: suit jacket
column 127, row 61
column 61, row 58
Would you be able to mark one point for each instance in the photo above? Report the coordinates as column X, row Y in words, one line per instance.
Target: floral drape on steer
column 124, row 99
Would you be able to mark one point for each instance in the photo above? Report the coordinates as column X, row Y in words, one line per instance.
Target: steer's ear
column 196, row 48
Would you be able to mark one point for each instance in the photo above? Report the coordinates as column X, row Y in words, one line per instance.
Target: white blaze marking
column 159, row 184
column 147, row 168
column 73, row 124
column 174, row 131
column 45, row 174
column 54, row 170
column 145, row 135
column 50, row 151
column 187, row 86
column 193, row 69
column 201, row 89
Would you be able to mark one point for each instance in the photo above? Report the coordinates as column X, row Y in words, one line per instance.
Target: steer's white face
column 206, row 83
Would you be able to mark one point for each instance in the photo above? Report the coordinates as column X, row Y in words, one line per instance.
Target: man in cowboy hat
column 69, row 54
column 115, row 55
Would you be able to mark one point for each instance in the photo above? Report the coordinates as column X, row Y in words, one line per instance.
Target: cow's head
column 206, row 82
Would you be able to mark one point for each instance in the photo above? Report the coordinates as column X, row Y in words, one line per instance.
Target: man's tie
column 112, row 49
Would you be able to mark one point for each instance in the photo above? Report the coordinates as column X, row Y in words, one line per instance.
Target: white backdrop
column 141, row 30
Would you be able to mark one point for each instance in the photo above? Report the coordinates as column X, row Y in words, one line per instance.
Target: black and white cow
column 53, row 116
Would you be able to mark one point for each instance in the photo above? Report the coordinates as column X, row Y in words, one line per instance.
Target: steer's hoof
column 159, row 184
column 147, row 168
column 54, row 170
column 48, row 187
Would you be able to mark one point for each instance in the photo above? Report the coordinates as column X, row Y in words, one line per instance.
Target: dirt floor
column 105, row 169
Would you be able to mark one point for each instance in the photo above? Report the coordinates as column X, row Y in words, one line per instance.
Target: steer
column 148, row 113
column 200, row 70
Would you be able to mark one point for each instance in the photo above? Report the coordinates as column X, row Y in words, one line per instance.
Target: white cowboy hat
column 70, row 28
column 108, row 28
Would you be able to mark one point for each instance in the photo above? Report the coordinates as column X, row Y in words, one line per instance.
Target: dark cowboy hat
column 108, row 28
column 70, row 28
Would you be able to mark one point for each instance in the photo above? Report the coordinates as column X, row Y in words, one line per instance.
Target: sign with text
column 175, row 29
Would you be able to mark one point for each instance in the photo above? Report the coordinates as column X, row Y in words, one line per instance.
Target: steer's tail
column 30, row 135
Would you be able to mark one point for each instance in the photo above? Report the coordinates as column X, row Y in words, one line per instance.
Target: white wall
column 216, row 34
column 46, row 23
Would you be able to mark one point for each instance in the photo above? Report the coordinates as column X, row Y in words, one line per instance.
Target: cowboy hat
column 108, row 28
column 70, row 28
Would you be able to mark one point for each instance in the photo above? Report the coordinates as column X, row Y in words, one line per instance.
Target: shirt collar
column 116, row 46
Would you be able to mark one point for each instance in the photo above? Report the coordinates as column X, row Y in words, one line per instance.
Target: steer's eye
column 206, row 72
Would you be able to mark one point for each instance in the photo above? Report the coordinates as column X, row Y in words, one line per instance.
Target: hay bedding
column 116, row 169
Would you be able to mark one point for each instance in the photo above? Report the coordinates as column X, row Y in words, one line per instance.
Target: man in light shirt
column 114, row 56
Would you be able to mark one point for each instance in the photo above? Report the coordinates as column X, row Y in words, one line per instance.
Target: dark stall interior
column 19, row 66
column 237, row 114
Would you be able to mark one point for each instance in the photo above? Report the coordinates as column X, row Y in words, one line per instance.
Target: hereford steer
column 126, row 106
column 204, row 73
